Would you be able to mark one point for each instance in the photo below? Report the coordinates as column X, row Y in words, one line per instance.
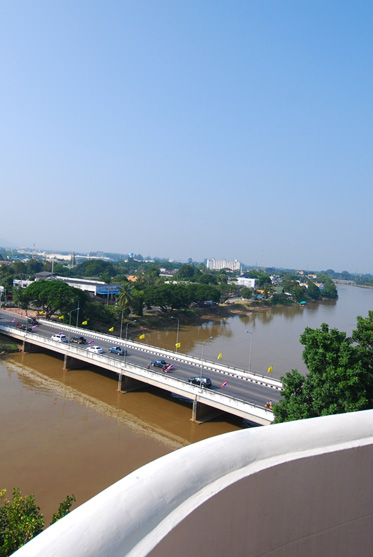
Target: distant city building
column 219, row 264
column 246, row 281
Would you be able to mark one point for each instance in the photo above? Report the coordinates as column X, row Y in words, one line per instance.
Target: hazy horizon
column 166, row 259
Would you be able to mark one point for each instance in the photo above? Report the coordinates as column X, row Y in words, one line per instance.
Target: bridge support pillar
column 71, row 363
column 202, row 413
column 27, row 347
column 128, row 384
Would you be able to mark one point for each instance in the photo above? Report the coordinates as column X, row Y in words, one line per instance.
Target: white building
column 93, row 287
column 246, row 281
column 219, row 264
column 22, row 283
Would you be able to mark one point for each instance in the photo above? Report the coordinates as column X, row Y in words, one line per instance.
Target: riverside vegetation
column 21, row 519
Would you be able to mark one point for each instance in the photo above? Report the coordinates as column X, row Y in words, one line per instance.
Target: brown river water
column 72, row 432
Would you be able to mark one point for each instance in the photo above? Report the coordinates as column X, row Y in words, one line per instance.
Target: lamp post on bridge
column 77, row 315
column 177, row 332
column 124, row 356
column 203, row 351
column 129, row 323
column 251, row 345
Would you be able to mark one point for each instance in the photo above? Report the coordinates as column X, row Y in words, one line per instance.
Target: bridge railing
column 140, row 372
column 175, row 356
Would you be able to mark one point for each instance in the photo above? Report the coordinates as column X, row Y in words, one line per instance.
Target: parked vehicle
column 159, row 363
column 95, row 349
column 59, row 338
column 78, row 340
column 204, row 382
column 118, row 350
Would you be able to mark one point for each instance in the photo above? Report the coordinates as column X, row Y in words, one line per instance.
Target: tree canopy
column 53, row 296
column 21, row 519
column 339, row 377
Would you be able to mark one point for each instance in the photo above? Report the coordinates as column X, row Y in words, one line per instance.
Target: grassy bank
column 7, row 346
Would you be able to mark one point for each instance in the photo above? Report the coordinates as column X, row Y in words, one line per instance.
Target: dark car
column 26, row 328
column 159, row 363
column 32, row 321
column 204, row 382
column 78, row 340
column 118, row 350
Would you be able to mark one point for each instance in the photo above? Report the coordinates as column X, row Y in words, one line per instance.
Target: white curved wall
column 297, row 488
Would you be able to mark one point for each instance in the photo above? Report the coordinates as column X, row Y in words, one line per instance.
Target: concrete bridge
column 133, row 372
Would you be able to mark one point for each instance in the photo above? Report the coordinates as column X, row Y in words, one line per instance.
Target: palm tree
column 125, row 298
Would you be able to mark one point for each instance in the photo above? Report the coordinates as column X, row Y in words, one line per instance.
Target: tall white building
column 219, row 264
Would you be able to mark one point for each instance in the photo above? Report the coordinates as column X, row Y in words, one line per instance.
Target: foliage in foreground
column 339, row 379
column 21, row 519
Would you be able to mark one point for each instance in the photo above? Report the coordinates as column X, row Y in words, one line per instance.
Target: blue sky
column 228, row 129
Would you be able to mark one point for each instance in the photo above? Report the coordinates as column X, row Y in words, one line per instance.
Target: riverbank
column 7, row 346
column 194, row 316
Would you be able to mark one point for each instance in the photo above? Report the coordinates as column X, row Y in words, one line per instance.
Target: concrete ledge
column 152, row 509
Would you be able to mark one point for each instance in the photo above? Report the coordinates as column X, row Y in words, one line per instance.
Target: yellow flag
column 142, row 336
column 61, row 317
column 270, row 369
column 178, row 345
column 41, row 312
column 112, row 329
column 84, row 322
column 220, row 356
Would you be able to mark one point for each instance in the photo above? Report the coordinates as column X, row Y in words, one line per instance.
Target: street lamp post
column 177, row 332
column 129, row 323
column 121, row 324
column 203, row 351
column 77, row 317
column 251, row 345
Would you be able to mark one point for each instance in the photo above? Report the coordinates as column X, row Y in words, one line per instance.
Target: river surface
column 65, row 432
column 273, row 336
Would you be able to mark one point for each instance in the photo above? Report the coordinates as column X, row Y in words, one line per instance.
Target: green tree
column 54, row 296
column 336, row 382
column 186, row 272
column 138, row 302
column 313, row 291
column 21, row 520
column 64, row 508
column 95, row 268
column 246, row 292
column 125, row 298
column 363, row 337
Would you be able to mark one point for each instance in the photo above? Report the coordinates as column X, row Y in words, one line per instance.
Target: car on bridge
column 118, row 350
column 78, row 340
column 159, row 363
column 26, row 328
column 204, row 382
column 59, row 338
column 95, row 349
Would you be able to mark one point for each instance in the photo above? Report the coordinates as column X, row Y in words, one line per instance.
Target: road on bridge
column 237, row 386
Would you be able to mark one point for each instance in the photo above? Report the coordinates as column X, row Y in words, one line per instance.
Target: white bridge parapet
column 175, row 356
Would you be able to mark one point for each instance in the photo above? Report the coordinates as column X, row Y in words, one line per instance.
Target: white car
column 59, row 338
column 95, row 349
